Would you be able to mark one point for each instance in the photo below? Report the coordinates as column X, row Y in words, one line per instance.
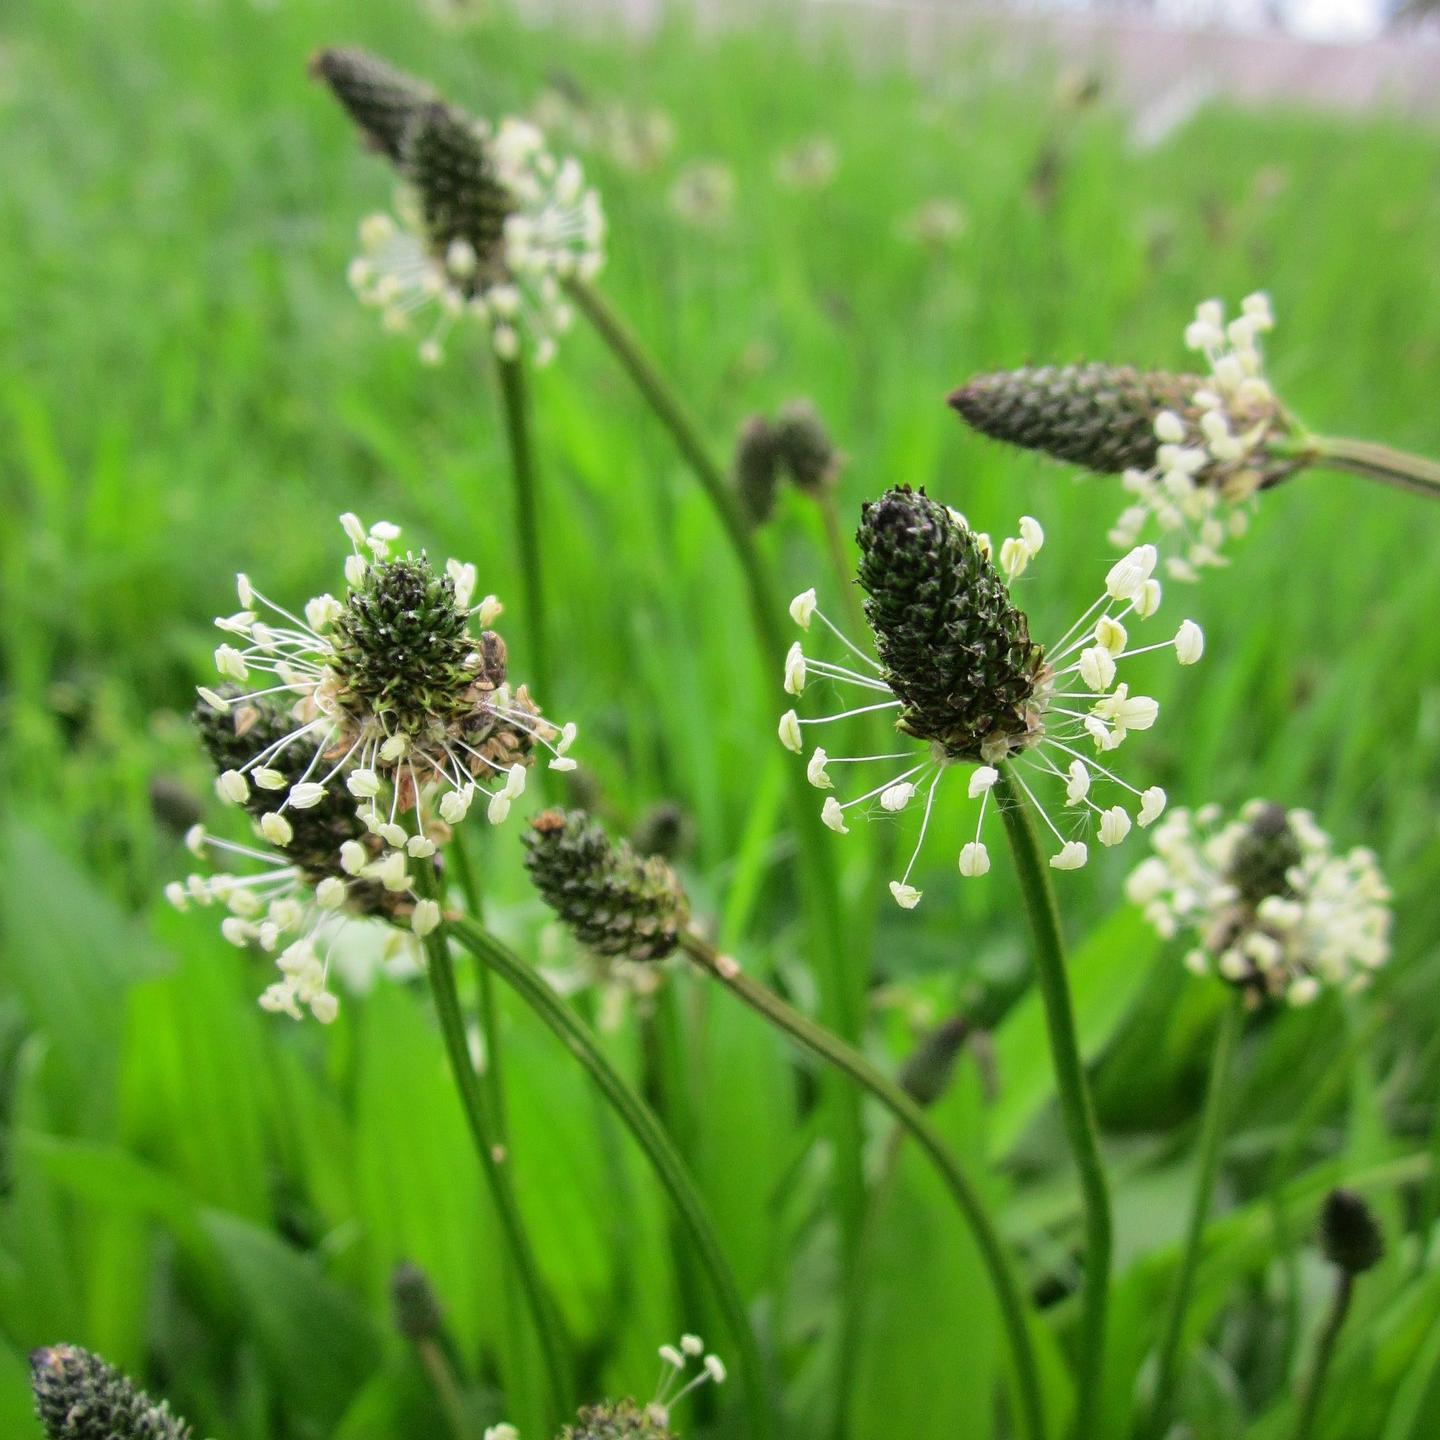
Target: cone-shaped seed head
column 957, row 653
column 1098, row 416
column 805, row 449
column 415, row 1305
column 755, row 470
column 79, row 1397
column 403, row 648
column 461, row 196
column 1264, row 856
column 1349, row 1234
column 622, row 1420
column 616, row 903
column 381, row 100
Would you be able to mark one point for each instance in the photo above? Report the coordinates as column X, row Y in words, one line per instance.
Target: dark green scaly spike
column 402, row 647
column 617, row 903
column 1098, row 416
column 382, row 101
column 957, row 653
column 461, row 196
column 79, row 1397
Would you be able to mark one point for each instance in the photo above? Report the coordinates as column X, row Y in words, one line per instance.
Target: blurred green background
column 215, row 1198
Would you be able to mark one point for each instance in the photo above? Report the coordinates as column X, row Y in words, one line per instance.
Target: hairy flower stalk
column 959, row 669
column 1273, row 909
column 488, row 226
column 79, row 1397
column 355, row 738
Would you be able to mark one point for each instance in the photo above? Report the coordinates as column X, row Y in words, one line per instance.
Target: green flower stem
column 1076, row 1110
column 441, row 974
column 1324, row 1353
column 493, row 1075
column 1378, row 462
column 650, row 1134
column 855, row 1066
column 1212, row 1131
column 442, row 1381
column 841, row 990
column 515, row 407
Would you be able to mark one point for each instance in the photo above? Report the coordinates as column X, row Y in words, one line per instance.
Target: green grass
column 216, row 1198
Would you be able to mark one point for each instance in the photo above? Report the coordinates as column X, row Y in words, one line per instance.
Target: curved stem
column 1212, row 1130
column 1324, row 1353
column 851, row 1063
column 658, row 1148
column 1379, row 462
column 515, row 408
column 441, row 974
column 841, row 994
column 1076, row 1109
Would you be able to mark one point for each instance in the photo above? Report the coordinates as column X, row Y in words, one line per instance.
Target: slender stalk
column 841, row 995
column 1077, row 1112
column 515, row 408
column 650, row 1134
column 493, row 1159
column 850, row 1062
column 1212, row 1131
column 1379, row 462
column 442, row 1381
column 1324, row 1353
column 493, row 1075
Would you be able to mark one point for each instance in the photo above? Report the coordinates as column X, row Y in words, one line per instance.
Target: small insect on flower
column 488, row 225
column 958, row 666
column 1270, row 905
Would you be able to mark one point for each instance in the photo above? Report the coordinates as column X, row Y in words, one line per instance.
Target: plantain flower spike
column 619, row 904
column 488, row 224
column 970, row 689
column 79, row 1397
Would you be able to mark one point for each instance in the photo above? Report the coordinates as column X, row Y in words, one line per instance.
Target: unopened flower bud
column 1349, row 1233
column 616, row 903
column 755, row 469
column 79, row 1397
column 804, row 449
column 414, row 1304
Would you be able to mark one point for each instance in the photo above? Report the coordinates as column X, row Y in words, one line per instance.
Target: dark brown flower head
column 804, row 448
